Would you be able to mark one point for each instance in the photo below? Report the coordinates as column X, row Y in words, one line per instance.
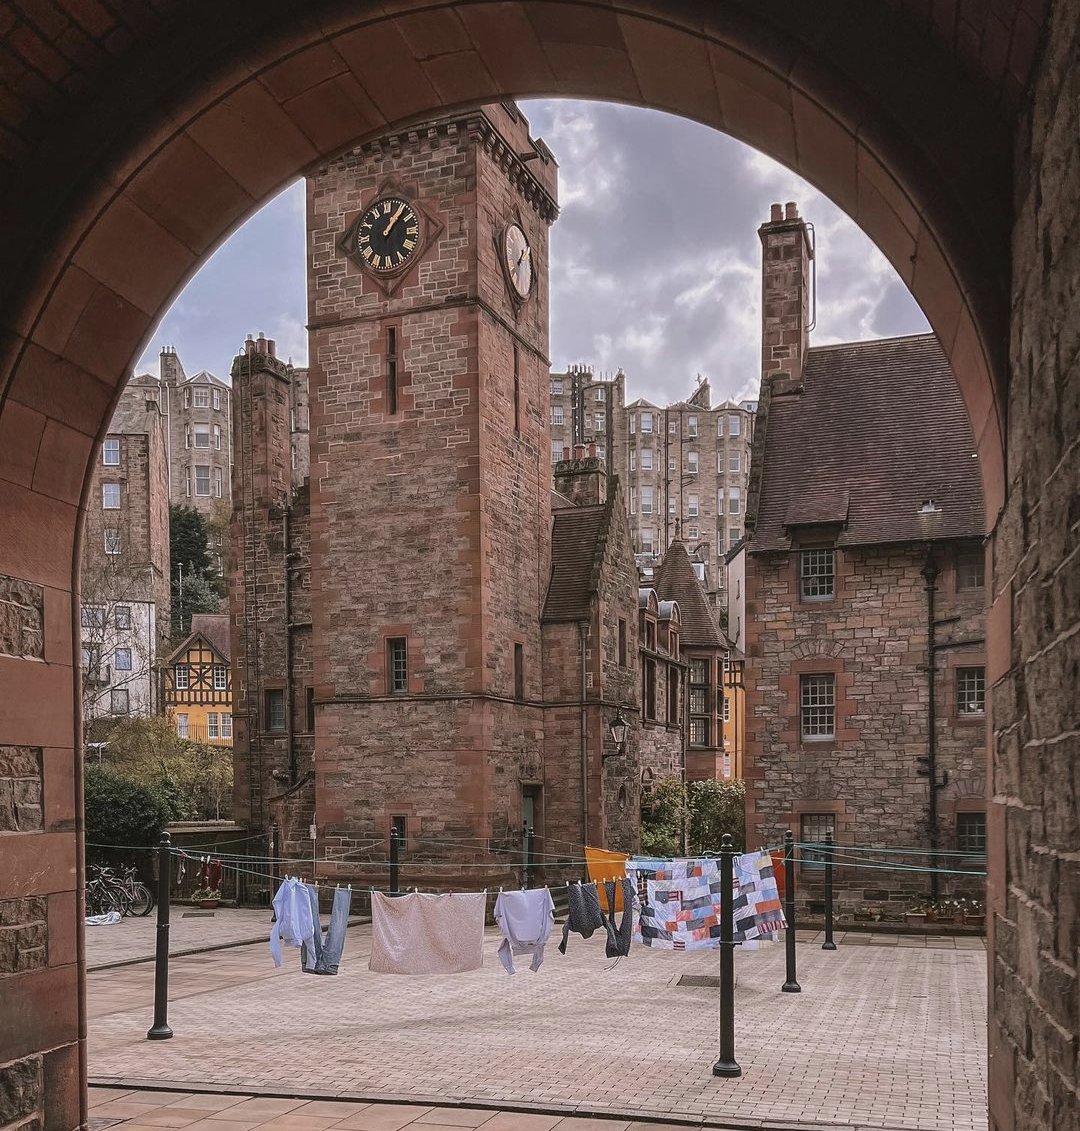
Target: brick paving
column 882, row 1036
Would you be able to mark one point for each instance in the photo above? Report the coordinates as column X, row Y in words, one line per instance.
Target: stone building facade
column 862, row 598
column 685, row 465
column 199, row 412
column 462, row 645
column 125, row 614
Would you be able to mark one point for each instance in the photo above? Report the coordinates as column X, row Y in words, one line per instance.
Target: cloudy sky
column 655, row 260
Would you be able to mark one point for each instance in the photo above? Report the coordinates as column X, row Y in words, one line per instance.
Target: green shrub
column 709, row 809
column 122, row 812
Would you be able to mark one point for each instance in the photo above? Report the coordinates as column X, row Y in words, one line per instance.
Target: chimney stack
column 582, row 479
column 785, row 298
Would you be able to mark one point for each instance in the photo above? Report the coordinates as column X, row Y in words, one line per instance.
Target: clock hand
column 393, row 219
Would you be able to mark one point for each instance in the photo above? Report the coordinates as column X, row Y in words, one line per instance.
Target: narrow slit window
column 391, row 371
column 519, row 671
column 517, row 392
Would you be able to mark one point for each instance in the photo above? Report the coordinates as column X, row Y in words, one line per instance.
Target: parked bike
column 108, row 890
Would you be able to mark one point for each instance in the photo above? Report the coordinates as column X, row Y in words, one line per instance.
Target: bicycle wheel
column 142, row 900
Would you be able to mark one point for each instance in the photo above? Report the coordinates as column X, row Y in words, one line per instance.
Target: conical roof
column 675, row 580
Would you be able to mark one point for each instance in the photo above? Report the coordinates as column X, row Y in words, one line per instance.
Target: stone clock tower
column 430, row 476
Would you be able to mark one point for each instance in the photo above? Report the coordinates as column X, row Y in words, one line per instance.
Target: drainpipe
column 287, row 602
column 930, row 573
column 582, row 625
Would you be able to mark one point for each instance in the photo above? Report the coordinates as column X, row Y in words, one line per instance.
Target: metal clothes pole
column 727, row 1064
column 275, row 855
column 526, row 853
column 790, row 986
column 160, row 1030
column 828, row 944
column 394, row 863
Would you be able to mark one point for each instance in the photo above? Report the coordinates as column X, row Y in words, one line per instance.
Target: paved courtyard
column 882, row 1036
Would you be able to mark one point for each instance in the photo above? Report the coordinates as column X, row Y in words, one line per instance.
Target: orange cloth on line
column 604, row 865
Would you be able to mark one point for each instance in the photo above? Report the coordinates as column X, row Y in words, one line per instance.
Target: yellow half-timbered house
column 198, row 682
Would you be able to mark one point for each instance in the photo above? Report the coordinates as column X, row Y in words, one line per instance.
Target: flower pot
column 973, row 920
column 915, row 919
column 208, row 904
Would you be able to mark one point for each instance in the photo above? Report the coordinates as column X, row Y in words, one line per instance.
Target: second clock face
column 388, row 234
column 518, row 260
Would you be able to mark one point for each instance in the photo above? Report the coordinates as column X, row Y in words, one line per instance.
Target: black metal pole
column 394, row 863
column 727, row 1064
column 160, row 1030
column 790, row 986
column 526, row 853
column 828, row 944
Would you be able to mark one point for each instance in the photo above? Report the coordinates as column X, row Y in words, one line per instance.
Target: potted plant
column 975, row 913
column 207, row 898
column 863, row 915
column 915, row 916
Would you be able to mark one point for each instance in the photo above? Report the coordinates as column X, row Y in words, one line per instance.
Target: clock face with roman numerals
column 388, row 234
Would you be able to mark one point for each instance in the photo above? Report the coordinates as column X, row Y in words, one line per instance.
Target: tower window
column 817, row 707
column 519, row 671
column 397, row 665
column 517, row 392
column 391, row 371
column 275, row 709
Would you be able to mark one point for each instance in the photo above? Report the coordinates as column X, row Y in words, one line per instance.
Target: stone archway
column 140, row 134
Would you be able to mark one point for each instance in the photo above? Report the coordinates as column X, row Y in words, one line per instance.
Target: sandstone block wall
column 1035, row 704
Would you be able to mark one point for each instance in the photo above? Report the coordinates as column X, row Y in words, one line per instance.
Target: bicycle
column 106, row 891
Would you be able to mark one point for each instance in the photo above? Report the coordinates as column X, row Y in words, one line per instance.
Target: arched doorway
column 140, row 139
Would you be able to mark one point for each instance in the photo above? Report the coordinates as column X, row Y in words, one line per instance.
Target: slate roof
column 879, row 428
column 213, row 628
column 675, row 580
column 578, row 540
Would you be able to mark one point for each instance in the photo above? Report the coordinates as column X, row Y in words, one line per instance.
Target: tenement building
column 426, row 639
column 125, row 564
column 859, row 593
column 685, row 465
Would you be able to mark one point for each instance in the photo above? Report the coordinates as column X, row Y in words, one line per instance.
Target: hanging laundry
column 680, row 902
column 604, row 865
column 757, row 910
column 525, row 919
column 584, row 914
column 619, row 893
column 293, row 924
column 328, row 950
column 420, row 933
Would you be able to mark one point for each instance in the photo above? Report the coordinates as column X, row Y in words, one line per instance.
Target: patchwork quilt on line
column 680, row 901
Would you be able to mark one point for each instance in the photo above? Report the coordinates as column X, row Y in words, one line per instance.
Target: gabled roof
column 878, row 429
column 205, row 377
column 675, row 580
column 578, row 541
column 211, row 627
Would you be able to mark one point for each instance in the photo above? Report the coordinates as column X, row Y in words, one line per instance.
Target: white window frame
column 212, row 724
column 601, row 393
column 646, row 459
column 734, row 463
column 633, row 423
column 118, row 655
column 110, row 446
column 692, row 463
column 599, row 421
column 647, row 500
column 126, row 610
column 217, row 482
column 734, row 500
column 202, row 432
column 734, row 425
column 817, row 707
column 691, row 426
column 646, row 423
column 226, row 725
column 182, row 728
column 181, row 677
column 216, row 395
column 217, row 437
column 200, row 398
column 557, row 414
column 202, row 494
column 110, row 490
column 556, row 451
column 692, row 506
column 817, row 573
column 556, row 388
column 633, row 500
column 113, row 542
column 221, row 677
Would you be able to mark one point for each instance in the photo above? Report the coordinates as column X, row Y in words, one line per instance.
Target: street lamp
column 618, row 727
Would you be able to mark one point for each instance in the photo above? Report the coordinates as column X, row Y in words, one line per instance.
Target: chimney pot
column 566, row 453
column 271, row 347
column 592, row 451
column 791, row 210
column 777, row 213
column 579, row 451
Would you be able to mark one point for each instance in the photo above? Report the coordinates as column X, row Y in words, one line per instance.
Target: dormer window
column 817, row 574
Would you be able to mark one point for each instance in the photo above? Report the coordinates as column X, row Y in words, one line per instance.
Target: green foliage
column 120, row 811
column 708, row 808
column 198, row 776
column 188, row 540
column 196, row 587
column 195, row 594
